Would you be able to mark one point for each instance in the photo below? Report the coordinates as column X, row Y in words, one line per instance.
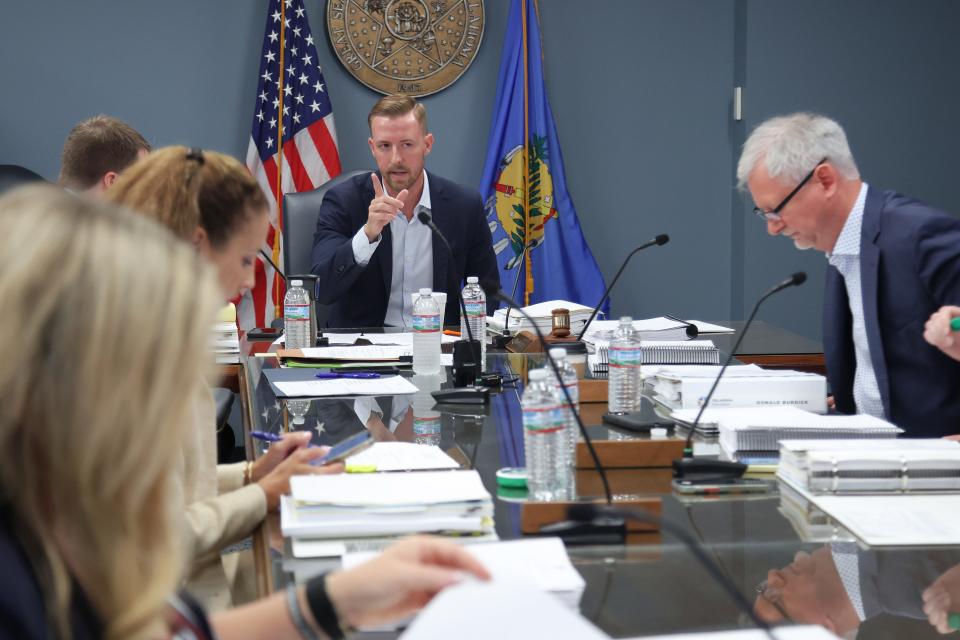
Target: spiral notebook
column 866, row 466
column 761, row 429
column 663, row 352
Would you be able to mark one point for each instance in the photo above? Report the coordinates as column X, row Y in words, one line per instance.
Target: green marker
column 955, row 324
column 953, row 620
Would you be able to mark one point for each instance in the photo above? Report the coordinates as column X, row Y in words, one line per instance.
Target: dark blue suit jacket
column 909, row 268
column 359, row 295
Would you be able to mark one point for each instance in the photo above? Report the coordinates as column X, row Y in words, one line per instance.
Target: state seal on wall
column 413, row 47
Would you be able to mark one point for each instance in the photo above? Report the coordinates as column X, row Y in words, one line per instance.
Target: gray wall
column 641, row 91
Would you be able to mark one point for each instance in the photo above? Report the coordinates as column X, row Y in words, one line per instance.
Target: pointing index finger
column 377, row 188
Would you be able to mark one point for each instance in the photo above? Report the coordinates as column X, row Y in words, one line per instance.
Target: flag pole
column 528, row 280
column 276, row 236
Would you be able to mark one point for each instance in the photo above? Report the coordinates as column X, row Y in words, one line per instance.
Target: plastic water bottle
column 571, row 381
column 426, row 334
column 625, row 356
column 475, row 301
column 296, row 317
column 545, row 442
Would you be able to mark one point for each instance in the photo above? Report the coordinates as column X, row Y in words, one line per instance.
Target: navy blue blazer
column 359, row 295
column 909, row 268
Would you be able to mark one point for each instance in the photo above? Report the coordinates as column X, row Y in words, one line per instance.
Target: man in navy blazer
column 371, row 251
column 893, row 262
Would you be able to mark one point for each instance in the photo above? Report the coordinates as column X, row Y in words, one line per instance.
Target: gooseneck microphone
column 688, row 465
column 503, row 297
column 263, row 254
column 590, row 512
column 518, row 261
column 427, row 219
column 661, row 239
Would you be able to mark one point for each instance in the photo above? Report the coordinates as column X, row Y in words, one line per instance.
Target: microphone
column 503, row 297
column 659, row 240
column 687, row 465
column 518, row 261
column 591, row 512
column 472, row 367
column 265, row 256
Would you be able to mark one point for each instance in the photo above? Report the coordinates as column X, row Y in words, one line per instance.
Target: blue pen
column 358, row 375
column 263, row 435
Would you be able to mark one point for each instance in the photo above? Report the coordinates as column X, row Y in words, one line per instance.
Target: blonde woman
column 210, row 200
column 96, row 401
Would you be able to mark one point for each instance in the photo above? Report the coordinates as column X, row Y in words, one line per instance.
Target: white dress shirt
column 846, row 258
column 412, row 259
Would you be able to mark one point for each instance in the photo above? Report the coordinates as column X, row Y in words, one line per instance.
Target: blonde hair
column 188, row 188
column 394, row 106
column 105, row 337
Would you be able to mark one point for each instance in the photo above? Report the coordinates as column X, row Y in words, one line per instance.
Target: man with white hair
column 893, row 262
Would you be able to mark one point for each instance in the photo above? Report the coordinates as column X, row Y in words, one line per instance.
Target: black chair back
column 12, row 176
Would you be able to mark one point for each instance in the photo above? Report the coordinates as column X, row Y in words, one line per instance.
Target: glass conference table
column 652, row 584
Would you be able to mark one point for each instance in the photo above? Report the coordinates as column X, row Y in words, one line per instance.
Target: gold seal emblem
column 414, row 47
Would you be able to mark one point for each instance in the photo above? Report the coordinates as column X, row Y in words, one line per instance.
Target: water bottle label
column 573, row 389
column 543, row 421
column 426, row 425
column 426, row 323
column 476, row 309
column 625, row 356
column 296, row 311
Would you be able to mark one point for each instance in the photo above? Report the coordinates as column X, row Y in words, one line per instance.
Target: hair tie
column 196, row 153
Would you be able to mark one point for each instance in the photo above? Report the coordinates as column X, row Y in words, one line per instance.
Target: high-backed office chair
column 300, row 212
column 12, row 175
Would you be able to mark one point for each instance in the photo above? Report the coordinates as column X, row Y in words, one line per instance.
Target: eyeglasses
column 774, row 215
column 772, row 594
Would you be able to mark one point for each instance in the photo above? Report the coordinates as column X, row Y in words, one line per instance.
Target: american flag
column 310, row 154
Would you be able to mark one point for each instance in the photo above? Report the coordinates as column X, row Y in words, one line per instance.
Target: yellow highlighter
column 361, row 468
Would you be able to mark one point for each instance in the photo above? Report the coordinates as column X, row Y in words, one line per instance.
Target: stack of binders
column 225, row 341
column 866, row 466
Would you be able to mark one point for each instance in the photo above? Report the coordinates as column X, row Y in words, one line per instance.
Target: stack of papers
column 677, row 388
column 760, row 429
column 542, row 315
column 385, row 504
column 893, row 519
column 662, row 352
column 396, row 354
column 338, row 387
column 225, row 341
column 850, row 466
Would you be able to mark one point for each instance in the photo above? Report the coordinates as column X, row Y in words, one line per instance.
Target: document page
column 896, row 520
column 386, row 386
column 402, row 456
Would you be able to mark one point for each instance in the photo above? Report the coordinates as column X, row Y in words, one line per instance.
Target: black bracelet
column 322, row 608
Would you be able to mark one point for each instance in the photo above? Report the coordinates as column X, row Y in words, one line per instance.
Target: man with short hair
column 96, row 151
column 371, row 251
column 893, row 262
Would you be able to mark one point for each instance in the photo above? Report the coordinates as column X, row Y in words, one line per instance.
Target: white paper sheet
column 403, row 456
column 402, row 339
column 361, row 353
column 896, row 519
column 386, row 386
column 521, row 611
column 380, row 489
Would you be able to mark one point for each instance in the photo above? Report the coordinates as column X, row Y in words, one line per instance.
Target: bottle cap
column 626, row 320
column 296, row 283
column 538, row 374
column 558, row 353
column 658, row 432
column 472, row 279
column 425, row 291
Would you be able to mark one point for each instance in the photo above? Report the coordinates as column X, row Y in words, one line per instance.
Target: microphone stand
column 721, row 469
column 659, row 240
column 471, row 366
column 501, row 341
